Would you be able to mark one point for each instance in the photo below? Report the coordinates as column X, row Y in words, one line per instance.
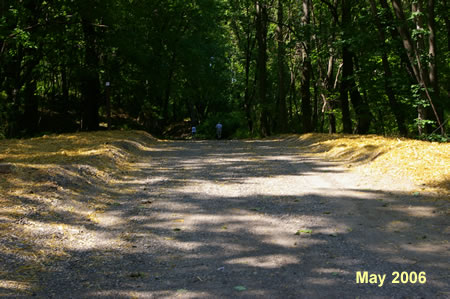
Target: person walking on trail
column 194, row 131
column 219, row 130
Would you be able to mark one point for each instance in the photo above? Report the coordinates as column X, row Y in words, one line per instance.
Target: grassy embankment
column 53, row 193
column 427, row 164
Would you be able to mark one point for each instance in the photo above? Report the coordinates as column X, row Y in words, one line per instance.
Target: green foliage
column 435, row 138
column 423, row 122
column 171, row 60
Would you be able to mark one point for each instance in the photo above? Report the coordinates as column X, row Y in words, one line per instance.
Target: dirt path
column 225, row 219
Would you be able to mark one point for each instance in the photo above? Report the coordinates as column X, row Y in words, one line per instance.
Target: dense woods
column 260, row 66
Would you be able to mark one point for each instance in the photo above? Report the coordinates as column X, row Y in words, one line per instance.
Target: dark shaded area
column 262, row 67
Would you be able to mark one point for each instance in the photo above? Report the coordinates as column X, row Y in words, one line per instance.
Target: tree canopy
column 261, row 66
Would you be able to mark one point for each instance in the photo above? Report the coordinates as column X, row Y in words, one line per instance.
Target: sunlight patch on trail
column 132, row 293
column 270, row 261
column 14, row 285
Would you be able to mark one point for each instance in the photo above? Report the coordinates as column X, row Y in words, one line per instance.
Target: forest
column 333, row 159
column 261, row 67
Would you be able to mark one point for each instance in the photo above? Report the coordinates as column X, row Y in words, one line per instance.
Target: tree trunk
column 292, row 94
column 249, row 46
column 432, row 56
column 417, row 10
column 91, row 82
column 447, row 23
column 348, row 84
column 261, row 37
column 327, row 83
column 306, row 71
column 331, row 104
column 434, row 82
column 247, row 99
column 389, row 19
column 344, row 87
column 281, row 101
column 31, row 113
column 65, row 87
column 420, row 73
column 407, row 56
column 327, row 104
column 168, row 89
column 406, row 37
column 306, row 95
column 315, row 117
column 396, row 107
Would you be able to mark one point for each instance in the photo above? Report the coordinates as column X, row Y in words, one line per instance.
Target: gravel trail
column 226, row 219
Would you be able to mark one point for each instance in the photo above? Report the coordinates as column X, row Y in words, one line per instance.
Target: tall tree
column 261, row 37
column 414, row 55
column 306, row 68
column 348, row 84
column 281, row 60
column 396, row 107
column 242, row 22
column 91, row 81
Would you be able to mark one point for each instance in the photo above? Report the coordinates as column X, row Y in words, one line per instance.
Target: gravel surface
column 226, row 219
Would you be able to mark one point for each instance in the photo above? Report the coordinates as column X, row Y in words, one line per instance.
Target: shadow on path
column 198, row 219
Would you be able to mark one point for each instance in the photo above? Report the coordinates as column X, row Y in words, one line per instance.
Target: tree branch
column 333, row 10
